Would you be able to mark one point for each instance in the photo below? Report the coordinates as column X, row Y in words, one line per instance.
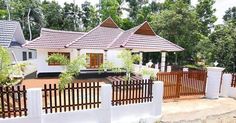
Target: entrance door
column 94, row 60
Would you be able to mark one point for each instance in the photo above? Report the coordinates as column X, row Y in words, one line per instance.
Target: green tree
column 205, row 12
column 89, row 16
column 224, row 41
column 230, row 14
column 29, row 14
column 111, row 8
column 71, row 17
column 52, row 12
column 128, row 60
column 7, row 70
column 179, row 24
column 3, row 10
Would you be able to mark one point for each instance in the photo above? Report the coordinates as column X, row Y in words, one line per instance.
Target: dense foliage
column 192, row 27
column 8, row 71
column 72, row 67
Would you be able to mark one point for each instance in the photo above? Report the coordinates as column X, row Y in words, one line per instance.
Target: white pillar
column 168, row 68
column 185, row 69
column 106, row 98
column 105, row 55
column 213, row 83
column 163, row 61
column 34, row 104
column 226, row 84
column 78, row 52
column 157, row 91
column 141, row 60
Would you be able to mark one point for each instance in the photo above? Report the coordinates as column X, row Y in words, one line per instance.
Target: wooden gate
column 180, row 83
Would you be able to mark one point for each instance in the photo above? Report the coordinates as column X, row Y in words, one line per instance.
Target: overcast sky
column 220, row 5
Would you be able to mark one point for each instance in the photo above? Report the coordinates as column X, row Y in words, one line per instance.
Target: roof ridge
column 136, row 28
column 92, row 31
column 82, row 36
column 60, row 31
column 115, row 40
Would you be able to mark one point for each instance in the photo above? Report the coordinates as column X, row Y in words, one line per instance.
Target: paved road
column 222, row 110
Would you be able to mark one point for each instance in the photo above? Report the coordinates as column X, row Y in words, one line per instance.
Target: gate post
column 157, row 91
column 106, row 98
column 213, row 82
column 34, row 104
column 226, row 82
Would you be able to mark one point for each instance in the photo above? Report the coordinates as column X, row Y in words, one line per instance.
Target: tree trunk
column 28, row 18
column 8, row 10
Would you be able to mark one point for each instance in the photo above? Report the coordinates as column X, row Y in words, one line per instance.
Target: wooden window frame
column 66, row 54
column 97, row 60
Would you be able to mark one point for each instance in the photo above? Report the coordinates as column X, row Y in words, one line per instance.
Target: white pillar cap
column 219, row 69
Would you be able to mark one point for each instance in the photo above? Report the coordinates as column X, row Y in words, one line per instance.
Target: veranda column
column 141, row 60
column 105, row 58
column 78, row 52
column 163, row 61
column 213, row 83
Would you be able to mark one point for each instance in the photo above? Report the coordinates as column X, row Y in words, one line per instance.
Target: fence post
column 226, row 82
column 106, row 98
column 157, row 101
column 34, row 104
column 213, row 83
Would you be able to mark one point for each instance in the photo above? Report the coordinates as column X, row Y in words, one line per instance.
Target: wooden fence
column 76, row 96
column 180, row 83
column 13, row 101
column 233, row 83
column 131, row 92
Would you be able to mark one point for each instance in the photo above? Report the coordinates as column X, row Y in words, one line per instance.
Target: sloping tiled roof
column 142, row 37
column 99, row 38
column 53, row 39
column 105, row 36
column 7, row 31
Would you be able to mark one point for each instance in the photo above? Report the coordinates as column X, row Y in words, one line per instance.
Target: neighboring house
column 12, row 38
column 103, row 43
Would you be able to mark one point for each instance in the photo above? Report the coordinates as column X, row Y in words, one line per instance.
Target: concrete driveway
column 222, row 110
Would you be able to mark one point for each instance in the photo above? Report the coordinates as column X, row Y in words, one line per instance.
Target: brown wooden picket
column 13, row 101
column 131, row 92
column 75, row 96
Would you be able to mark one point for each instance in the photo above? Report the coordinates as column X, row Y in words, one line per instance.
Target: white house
column 102, row 43
column 12, row 38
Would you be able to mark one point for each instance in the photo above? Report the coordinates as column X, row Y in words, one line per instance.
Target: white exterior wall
column 42, row 55
column 18, row 52
column 226, row 89
column 149, row 112
column 112, row 55
column 42, row 64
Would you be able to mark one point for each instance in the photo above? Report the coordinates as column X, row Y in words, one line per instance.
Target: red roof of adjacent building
column 105, row 36
column 53, row 39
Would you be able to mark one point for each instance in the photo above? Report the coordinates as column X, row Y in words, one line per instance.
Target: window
column 30, row 55
column 94, row 60
column 66, row 54
column 24, row 56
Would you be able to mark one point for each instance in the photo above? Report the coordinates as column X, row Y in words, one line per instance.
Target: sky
column 221, row 6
